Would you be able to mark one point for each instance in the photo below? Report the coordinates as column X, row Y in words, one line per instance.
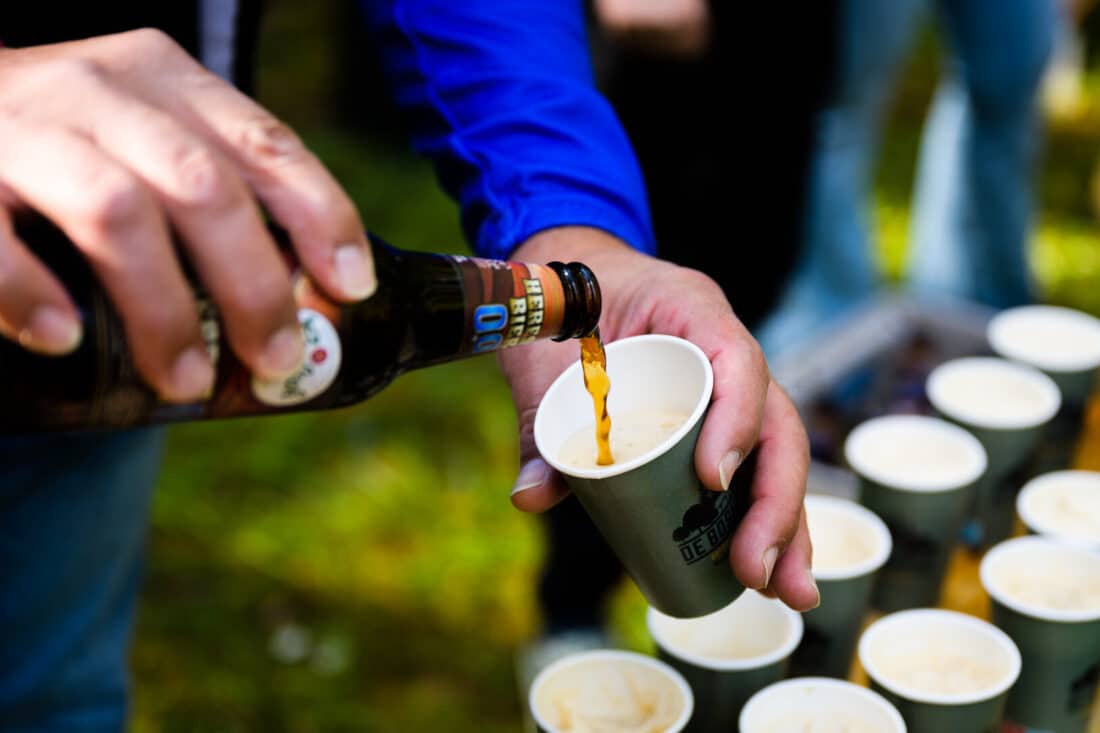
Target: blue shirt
column 502, row 98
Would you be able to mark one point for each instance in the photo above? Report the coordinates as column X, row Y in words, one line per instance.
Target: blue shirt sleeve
column 501, row 97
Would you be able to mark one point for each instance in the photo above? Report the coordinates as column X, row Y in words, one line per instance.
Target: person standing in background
column 972, row 200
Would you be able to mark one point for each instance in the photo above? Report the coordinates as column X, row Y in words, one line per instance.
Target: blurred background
column 364, row 570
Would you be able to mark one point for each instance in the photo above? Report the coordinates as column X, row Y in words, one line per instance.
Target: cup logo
column 705, row 528
column 318, row 370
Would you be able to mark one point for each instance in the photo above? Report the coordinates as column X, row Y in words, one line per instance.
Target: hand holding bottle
column 641, row 294
column 117, row 137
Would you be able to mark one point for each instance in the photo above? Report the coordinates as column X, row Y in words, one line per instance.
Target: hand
column 674, row 27
column 771, row 549
column 121, row 139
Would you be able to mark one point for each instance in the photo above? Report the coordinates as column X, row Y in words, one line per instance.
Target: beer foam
column 811, row 721
column 916, row 453
column 1064, row 504
column 993, row 393
column 609, row 696
column 940, row 668
column 1049, row 337
column 633, row 434
column 845, row 536
column 749, row 629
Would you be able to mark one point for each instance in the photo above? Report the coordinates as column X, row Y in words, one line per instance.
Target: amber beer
column 428, row 309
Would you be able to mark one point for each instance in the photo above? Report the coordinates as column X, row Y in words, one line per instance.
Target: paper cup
column 1046, row 596
column 1063, row 505
column 819, row 704
column 944, row 671
column 1062, row 342
column 728, row 655
column 1005, row 405
column 917, row 474
column 850, row 545
column 671, row 534
column 589, row 687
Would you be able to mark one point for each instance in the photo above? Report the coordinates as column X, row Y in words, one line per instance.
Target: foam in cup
column 819, row 705
column 848, row 539
column 1044, row 578
column 610, row 692
column 1051, row 338
column 633, row 434
column 1064, row 505
column 993, row 393
column 915, row 453
column 939, row 657
column 753, row 631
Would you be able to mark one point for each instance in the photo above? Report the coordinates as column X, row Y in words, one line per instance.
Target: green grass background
column 364, row 570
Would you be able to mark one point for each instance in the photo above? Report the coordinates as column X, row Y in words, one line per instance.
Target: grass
column 363, row 570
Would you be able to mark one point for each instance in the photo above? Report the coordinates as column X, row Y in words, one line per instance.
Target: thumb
column 529, row 371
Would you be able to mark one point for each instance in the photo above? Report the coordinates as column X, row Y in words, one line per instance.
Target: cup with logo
column 727, row 656
column 916, row 473
column 671, row 534
column 1046, row 596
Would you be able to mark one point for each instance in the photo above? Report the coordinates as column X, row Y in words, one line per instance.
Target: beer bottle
column 428, row 309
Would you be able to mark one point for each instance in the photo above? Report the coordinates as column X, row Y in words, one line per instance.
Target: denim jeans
column 73, row 518
column 972, row 197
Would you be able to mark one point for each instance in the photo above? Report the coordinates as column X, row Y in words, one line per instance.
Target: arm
column 501, row 96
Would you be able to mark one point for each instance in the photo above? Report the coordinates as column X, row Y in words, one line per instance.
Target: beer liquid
column 428, row 309
column 596, row 381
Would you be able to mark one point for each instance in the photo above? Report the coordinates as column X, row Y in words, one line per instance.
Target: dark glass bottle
column 428, row 309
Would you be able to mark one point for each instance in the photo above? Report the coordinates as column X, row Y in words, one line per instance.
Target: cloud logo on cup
column 705, row 528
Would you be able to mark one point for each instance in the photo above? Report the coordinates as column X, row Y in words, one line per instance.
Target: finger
column 778, row 488
column 529, row 372
column 792, row 580
column 291, row 182
column 737, row 405
column 219, row 226
column 35, row 310
column 112, row 218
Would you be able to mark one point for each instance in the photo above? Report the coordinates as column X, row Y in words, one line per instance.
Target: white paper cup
column 1062, row 342
column 917, row 474
column 606, row 684
column 851, row 543
column 1006, row 405
column 944, row 671
column 671, row 534
column 1038, row 586
column 797, row 704
column 728, row 655
column 1063, row 505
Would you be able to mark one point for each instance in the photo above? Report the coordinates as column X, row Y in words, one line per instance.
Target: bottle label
column 319, row 368
column 509, row 303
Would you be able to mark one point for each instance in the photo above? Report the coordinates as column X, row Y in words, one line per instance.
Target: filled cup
column 819, row 705
column 1046, row 596
column 671, row 534
column 728, row 655
column 1005, row 405
column 917, row 474
column 943, row 670
column 1063, row 505
column 850, row 545
column 1062, row 342
column 606, row 690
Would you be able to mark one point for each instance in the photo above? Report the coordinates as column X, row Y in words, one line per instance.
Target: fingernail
column 192, row 375
column 283, row 354
column 51, row 330
column 770, row 556
column 534, row 473
column 813, row 582
column 354, row 271
column 727, row 466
